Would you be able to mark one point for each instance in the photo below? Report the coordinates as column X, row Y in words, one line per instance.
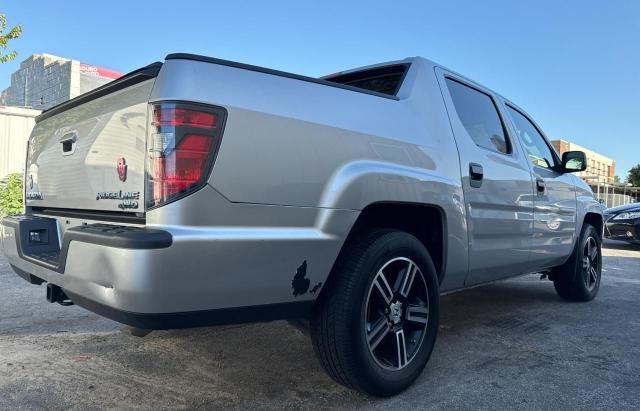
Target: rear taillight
column 182, row 144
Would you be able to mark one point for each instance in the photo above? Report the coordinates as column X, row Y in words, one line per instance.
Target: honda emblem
column 122, row 169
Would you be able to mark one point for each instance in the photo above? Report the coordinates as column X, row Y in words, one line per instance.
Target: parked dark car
column 623, row 223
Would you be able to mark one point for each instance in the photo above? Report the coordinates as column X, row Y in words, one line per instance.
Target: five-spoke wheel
column 375, row 324
column 397, row 313
column 579, row 278
column 591, row 263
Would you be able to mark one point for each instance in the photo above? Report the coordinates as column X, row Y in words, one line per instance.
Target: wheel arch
column 596, row 220
column 427, row 222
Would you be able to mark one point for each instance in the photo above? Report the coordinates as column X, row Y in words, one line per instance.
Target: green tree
column 11, row 195
column 634, row 176
column 12, row 34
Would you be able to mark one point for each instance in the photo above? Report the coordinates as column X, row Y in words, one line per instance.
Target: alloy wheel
column 591, row 263
column 396, row 313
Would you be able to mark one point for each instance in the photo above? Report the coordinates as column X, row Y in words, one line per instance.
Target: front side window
column 479, row 116
column 537, row 149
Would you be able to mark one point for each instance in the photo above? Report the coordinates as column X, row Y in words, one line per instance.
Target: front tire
column 579, row 278
column 375, row 324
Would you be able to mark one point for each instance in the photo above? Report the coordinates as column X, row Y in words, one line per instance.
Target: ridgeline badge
column 129, row 199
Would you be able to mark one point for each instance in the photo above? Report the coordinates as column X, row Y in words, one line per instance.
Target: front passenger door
column 554, row 211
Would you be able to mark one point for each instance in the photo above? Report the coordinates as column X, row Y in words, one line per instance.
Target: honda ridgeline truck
column 200, row 191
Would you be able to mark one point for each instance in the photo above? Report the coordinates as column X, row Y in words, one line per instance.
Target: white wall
column 15, row 127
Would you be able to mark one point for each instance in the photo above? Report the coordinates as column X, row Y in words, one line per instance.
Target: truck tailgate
column 91, row 156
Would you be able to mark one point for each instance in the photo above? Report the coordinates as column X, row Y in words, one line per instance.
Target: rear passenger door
column 496, row 179
column 555, row 201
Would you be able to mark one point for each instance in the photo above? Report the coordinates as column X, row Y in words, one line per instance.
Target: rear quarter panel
column 293, row 143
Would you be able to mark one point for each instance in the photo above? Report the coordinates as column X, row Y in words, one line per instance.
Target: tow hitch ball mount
column 56, row 294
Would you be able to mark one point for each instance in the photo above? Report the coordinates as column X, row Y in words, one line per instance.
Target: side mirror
column 574, row 161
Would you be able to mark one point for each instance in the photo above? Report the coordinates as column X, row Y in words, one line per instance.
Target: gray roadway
column 511, row 344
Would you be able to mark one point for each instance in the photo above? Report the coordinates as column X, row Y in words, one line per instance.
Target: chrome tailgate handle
column 68, row 142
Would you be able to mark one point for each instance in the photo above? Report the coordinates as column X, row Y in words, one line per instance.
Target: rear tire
column 375, row 324
column 579, row 278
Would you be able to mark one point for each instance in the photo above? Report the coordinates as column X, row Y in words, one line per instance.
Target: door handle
column 476, row 175
column 540, row 185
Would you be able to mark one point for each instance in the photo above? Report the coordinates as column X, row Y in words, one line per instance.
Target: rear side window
column 385, row 80
column 479, row 116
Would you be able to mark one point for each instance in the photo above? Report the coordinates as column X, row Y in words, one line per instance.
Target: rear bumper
column 191, row 319
column 178, row 277
column 53, row 253
column 187, row 319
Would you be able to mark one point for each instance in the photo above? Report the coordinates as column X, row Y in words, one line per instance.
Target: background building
column 41, row 82
column 44, row 80
column 600, row 175
column 599, row 167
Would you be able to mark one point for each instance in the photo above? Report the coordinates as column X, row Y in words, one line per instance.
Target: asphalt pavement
column 508, row 345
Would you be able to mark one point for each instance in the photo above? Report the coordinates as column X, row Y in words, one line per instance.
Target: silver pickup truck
column 200, row 191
